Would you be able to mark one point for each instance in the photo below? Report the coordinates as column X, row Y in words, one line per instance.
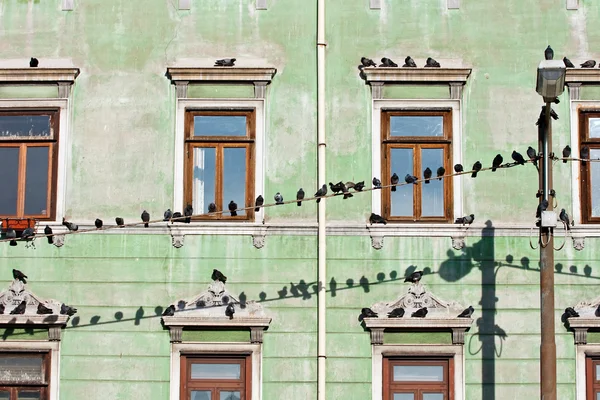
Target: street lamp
column 550, row 85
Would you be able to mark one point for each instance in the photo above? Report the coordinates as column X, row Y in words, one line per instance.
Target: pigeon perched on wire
column 67, row 310
column 466, row 220
column 321, row 192
column 420, row 313
column 367, row 62
column 458, row 168
column 19, row 275
column 48, row 233
column 299, row 197
column 278, row 198
column 467, row 312
column 518, row 157
column 20, row 309
column 230, row 310
column 386, row 62
column 427, row 174
column 549, row 53
column 167, row 215
column 497, row 162
column 145, row 218
column 187, row 213
column 441, row 171
column 543, row 206
column 431, row 63
column 258, row 203
column 564, row 217
column 120, row 222
column 588, row 64
column 169, row 311
column 11, row 234
column 584, row 154
column 232, row 208
column 368, row 313
column 376, row 183
column 566, row 153
column 396, row 313
column 337, row 188
column 33, row 62
column 43, row 310
column 411, row 179
column 377, row 219
column 571, row 313
column 568, row 63
column 476, row 168
column 98, row 223
column 218, row 276
column 177, row 215
column 70, row 225
column 225, row 62
column 347, row 194
column 28, row 234
column 409, row 63
column 414, row 277
column 212, row 208
column 359, row 186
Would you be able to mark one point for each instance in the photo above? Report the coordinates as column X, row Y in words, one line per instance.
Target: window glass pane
column 433, row 396
column 28, row 395
column 36, row 184
column 432, row 201
column 418, row 373
column 595, row 182
column 24, row 126
column 21, row 369
column 203, row 182
column 417, row 126
column 229, row 395
column 215, row 371
column 404, row 396
column 234, row 177
column 9, row 176
column 598, row 396
column 201, row 395
column 597, row 372
column 220, row 125
column 595, row 128
column 402, row 199
column 4, row 395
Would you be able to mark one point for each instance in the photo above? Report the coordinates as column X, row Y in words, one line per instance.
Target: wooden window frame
column 389, row 386
column 585, row 170
column 592, row 386
column 243, row 385
column 416, row 143
column 220, row 143
column 23, row 143
column 44, row 388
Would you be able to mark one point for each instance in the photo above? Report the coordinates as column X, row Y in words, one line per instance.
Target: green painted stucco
column 215, row 336
column 417, row 338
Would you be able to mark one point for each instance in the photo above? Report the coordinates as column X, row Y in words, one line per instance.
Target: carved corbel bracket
column 580, row 335
column 458, row 335
column 376, row 335
column 175, row 332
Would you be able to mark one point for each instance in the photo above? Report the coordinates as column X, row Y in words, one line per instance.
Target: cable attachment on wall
column 530, row 241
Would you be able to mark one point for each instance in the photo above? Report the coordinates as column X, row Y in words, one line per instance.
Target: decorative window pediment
column 441, row 315
column 62, row 77
column 586, row 321
column 209, row 310
column 575, row 78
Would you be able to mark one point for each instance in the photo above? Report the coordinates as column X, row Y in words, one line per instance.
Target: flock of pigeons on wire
column 399, row 312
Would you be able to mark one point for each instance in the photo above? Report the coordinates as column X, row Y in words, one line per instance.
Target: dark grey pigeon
column 299, row 197
column 566, row 153
column 1, row 309
column 48, row 233
column 145, row 218
column 476, row 168
column 218, row 276
column 19, row 275
column 466, row 220
column 230, row 310
column 531, row 153
column 28, row 234
column 337, row 188
column 568, row 63
column 553, row 113
column 258, row 203
column 549, row 53
column 43, row 310
column 597, row 312
column 396, row 313
column 225, row 62
column 177, row 216
column 376, row 183
column 431, row 63
column 518, row 157
column 120, row 222
column 564, row 217
column 167, row 215
column 232, row 208
column 321, row 192
column 33, row 62
column 386, row 62
column 497, row 162
column 20, row 309
column 169, row 311
column 584, row 154
column 11, row 234
column 541, row 207
column 420, row 313
column 414, row 277
column 427, row 174
column 368, row 313
column 212, row 207
column 377, row 219
column 359, row 186
column 467, row 312
column 344, row 188
column 187, row 213
column 571, row 313
column 409, row 63
column 410, row 179
column 441, row 171
column 588, row 64
column 70, row 226
column 458, row 168
column 278, row 198
column 67, row 310
column 98, row 223
column 367, row 62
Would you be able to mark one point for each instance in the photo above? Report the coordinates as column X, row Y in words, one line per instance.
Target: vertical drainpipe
column 322, row 238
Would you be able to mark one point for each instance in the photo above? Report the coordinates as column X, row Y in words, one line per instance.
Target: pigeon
column 344, row 188
column 188, row 212
column 376, row 183
column 458, row 168
column 427, row 174
column 420, row 313
column 232, row 208
column 42, row 309
column 476, row 169
column 414, row 277
column 518, row 157
column 19, row 275
column 218, row 276
column 467, row 312
column 167, row 215
column 120, row 222
column 570, row 312
column 33, row 62
column 553, row 113
column 169, row 311
column 386, row 62
column 28, row 234
column 588, row 64
column 68, row 310
column 145, row 218
column 564, row 217
column 212, row 207
column 411, row 179
column 441, row 171
column 278, row 198
column 48, row 233
column 367, row 62
column 549, row 53
column 466, row 220
column 11, row 234
column 98, row 223
column 584, row 154
column 497, row 162
column 225, row 62
column 431, row 63
column 177, row 215
column 299, row 197
column 230, row 310
column 20, row 309
column 321, row 192
column 258, row 203
column 368, row 313
column 568, row 63
column 396, row 313
column 1, row 309
column 532, row 155
column 566, row 153
column 597, row 312
column 70, row 226
column 377, row 219
column 359, row 186
column 336, row 188
column 409, row 63
column 541, row 207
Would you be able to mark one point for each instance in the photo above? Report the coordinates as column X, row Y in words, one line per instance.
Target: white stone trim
column 64, row 142
column 214, row 348
column 581, row 352
column 259, row 145
column 37, row 345
column 406, row 105
column 454, row 351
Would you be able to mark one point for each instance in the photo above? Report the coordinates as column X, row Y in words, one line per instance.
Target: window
column 215, row 377
column 412, row 141
column 590, row 171
column 28, row 167
column 417, row 379
column 24, row 376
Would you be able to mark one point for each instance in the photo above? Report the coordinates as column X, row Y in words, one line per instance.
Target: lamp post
column 550, row 85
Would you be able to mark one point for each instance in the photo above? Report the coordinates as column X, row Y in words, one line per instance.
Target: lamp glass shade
column 551, row 78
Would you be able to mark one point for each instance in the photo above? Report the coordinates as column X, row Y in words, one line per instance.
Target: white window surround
column 63, row 105
column 35, row 346
column 408, row 105
column 216, row 348
column 411, row 350
column 581, row 352
column 219, row 104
